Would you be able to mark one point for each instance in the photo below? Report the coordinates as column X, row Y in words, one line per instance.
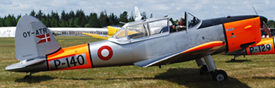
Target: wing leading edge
column 189, row 54
column 98, row 36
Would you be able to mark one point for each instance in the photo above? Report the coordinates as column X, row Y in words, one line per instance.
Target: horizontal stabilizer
column 24, row 64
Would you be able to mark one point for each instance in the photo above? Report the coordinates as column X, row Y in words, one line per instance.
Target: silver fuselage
column 149, row 48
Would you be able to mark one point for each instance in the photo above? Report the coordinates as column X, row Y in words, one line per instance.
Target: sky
column 203, row 9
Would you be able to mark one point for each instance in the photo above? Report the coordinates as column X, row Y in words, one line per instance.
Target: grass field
column 252, row 71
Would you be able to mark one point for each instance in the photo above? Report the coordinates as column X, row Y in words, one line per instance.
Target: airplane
column 37, row 49
column 265, row 46
column 112, row 29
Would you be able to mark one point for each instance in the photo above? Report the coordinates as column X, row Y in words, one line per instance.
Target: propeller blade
column 266, row 30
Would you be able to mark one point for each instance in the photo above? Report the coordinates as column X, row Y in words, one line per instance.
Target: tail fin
column 33, row 39
column 137, row 14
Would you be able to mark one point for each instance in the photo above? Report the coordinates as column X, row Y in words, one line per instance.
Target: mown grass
column 251, row 71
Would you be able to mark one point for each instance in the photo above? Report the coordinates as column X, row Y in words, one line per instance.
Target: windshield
column 121, row 33
column 137, row 31
column 191, row 20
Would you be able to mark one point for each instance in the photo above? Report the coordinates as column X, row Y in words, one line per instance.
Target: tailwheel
column 233, row 60
column 219, row 75
column 204, row 70
column 27, row 77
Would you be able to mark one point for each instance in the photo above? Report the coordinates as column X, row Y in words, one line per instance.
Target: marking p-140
column 68, row 62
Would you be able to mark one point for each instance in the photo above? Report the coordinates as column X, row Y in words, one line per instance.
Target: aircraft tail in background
column 137, row 14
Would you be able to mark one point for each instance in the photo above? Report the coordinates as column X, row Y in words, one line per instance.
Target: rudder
column 137, row 14
column 33, row 39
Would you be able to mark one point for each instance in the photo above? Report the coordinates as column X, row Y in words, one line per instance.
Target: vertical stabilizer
column 137, row 14
column 33, row 39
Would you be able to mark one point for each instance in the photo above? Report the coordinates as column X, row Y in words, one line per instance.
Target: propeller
column 265, row 29
column 263, row 24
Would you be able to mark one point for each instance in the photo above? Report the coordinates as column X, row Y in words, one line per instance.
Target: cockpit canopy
column 143, row 28
column 150, row 28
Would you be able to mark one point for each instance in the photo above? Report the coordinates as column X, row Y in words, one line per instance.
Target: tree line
column 73, row 19
column 270, row 23
column 79, row 19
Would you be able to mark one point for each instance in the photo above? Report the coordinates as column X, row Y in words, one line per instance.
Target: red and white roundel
column 105, row 53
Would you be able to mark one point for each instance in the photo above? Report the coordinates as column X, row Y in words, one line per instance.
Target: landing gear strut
column 235, row 56
column 203, row 68
column 210, row 68
column 28, row 76
column 233, row 60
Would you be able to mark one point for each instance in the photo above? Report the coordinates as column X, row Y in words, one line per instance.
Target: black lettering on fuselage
column 26, row 34
column 37, row 33
column 44, row 30
column 41, row 31
column 56, row 64
column 251, row 49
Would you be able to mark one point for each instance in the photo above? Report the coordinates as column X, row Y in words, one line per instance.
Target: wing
column 98, row 36
column 185, row 55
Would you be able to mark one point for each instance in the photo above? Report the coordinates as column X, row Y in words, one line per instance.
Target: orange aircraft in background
column 265, row 46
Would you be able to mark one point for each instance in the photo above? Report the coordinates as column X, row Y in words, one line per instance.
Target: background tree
column 32, row 13
column 103, row 19
column 113, row 19
column 123, row 17
column 93, row 21
column 54, row 19
column 10, row 20
column 151, row 16
column 131, row 18
column 144, row 15
column 39, row 15
column 2, row 22
column 270, row 23
column 64, row 20
column 17, row 19
column 80, row 19
column 75, row 19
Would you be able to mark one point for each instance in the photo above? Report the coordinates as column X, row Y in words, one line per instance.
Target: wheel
column 219, row 75
column 204, row 70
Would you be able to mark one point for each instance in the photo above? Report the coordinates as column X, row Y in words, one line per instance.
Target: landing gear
column 204, row 70
column 234, row 59
column 28, row 76
column 219, row 75
column 210, row 68
column 235, row 56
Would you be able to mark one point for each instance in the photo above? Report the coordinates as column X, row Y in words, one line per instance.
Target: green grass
column 251, row 71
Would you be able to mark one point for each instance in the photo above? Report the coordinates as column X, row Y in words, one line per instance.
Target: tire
column 219, row 75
